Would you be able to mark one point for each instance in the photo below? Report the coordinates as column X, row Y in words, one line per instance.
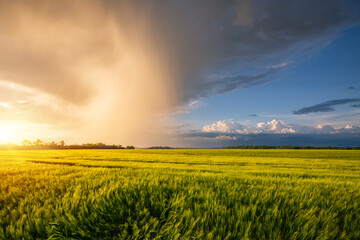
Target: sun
column 5, row 135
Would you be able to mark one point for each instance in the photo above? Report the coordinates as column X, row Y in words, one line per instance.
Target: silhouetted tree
column 26, row 143
column 38, row 142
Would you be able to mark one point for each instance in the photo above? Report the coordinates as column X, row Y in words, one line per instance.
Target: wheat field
column 180, row 194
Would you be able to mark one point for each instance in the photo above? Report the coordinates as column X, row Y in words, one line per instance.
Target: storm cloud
column 325, row 106
column 274, row 133
column 204, row 139
column 119, row 64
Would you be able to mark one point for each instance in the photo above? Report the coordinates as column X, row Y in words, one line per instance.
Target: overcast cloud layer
column 109, row 67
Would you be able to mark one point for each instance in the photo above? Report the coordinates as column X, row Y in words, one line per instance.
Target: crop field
column 180, row 194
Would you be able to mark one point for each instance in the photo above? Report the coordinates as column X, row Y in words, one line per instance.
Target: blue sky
column 329, row 74
column 323, row 76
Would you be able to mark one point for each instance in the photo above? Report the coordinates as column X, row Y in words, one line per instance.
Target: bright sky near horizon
column 181, row 73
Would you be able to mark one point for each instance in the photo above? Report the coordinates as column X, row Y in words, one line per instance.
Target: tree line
column 38, row 144
column 289, row 147
column 160, row 147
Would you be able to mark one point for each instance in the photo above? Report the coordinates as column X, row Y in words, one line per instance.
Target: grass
column 180, row 194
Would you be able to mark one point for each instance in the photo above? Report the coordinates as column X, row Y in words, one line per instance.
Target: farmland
column 180, row 194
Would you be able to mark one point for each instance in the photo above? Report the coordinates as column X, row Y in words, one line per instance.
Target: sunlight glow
column 5, row 135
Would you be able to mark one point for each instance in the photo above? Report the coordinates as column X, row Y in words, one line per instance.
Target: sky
column 201, row 73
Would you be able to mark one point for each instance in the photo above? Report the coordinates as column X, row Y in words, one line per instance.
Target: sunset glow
column 179, row 119
column 5, row 135
column 160, row 72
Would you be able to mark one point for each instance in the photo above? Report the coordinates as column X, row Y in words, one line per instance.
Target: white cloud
column 190, row 107
column 224, row 137
column 324, row 128
column 225, row 126
column 282, row 65
column 349, row 129
column 276, row 127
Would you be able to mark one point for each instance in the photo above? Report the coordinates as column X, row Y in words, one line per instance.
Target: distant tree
column 285, row 147
column 160, row 147
column 26, row 143
column 38, row 142
column 62, row 143
column 130, row 147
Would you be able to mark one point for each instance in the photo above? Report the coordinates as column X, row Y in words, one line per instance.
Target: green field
column 180, row 194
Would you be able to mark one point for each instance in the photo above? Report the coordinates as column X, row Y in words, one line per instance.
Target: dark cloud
column 202, row 139
column 355, row 105
column 209, row 47
column 351, row 88
column 239, row 50
column 253, row 115
column 325, row 106
column 224, row 85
